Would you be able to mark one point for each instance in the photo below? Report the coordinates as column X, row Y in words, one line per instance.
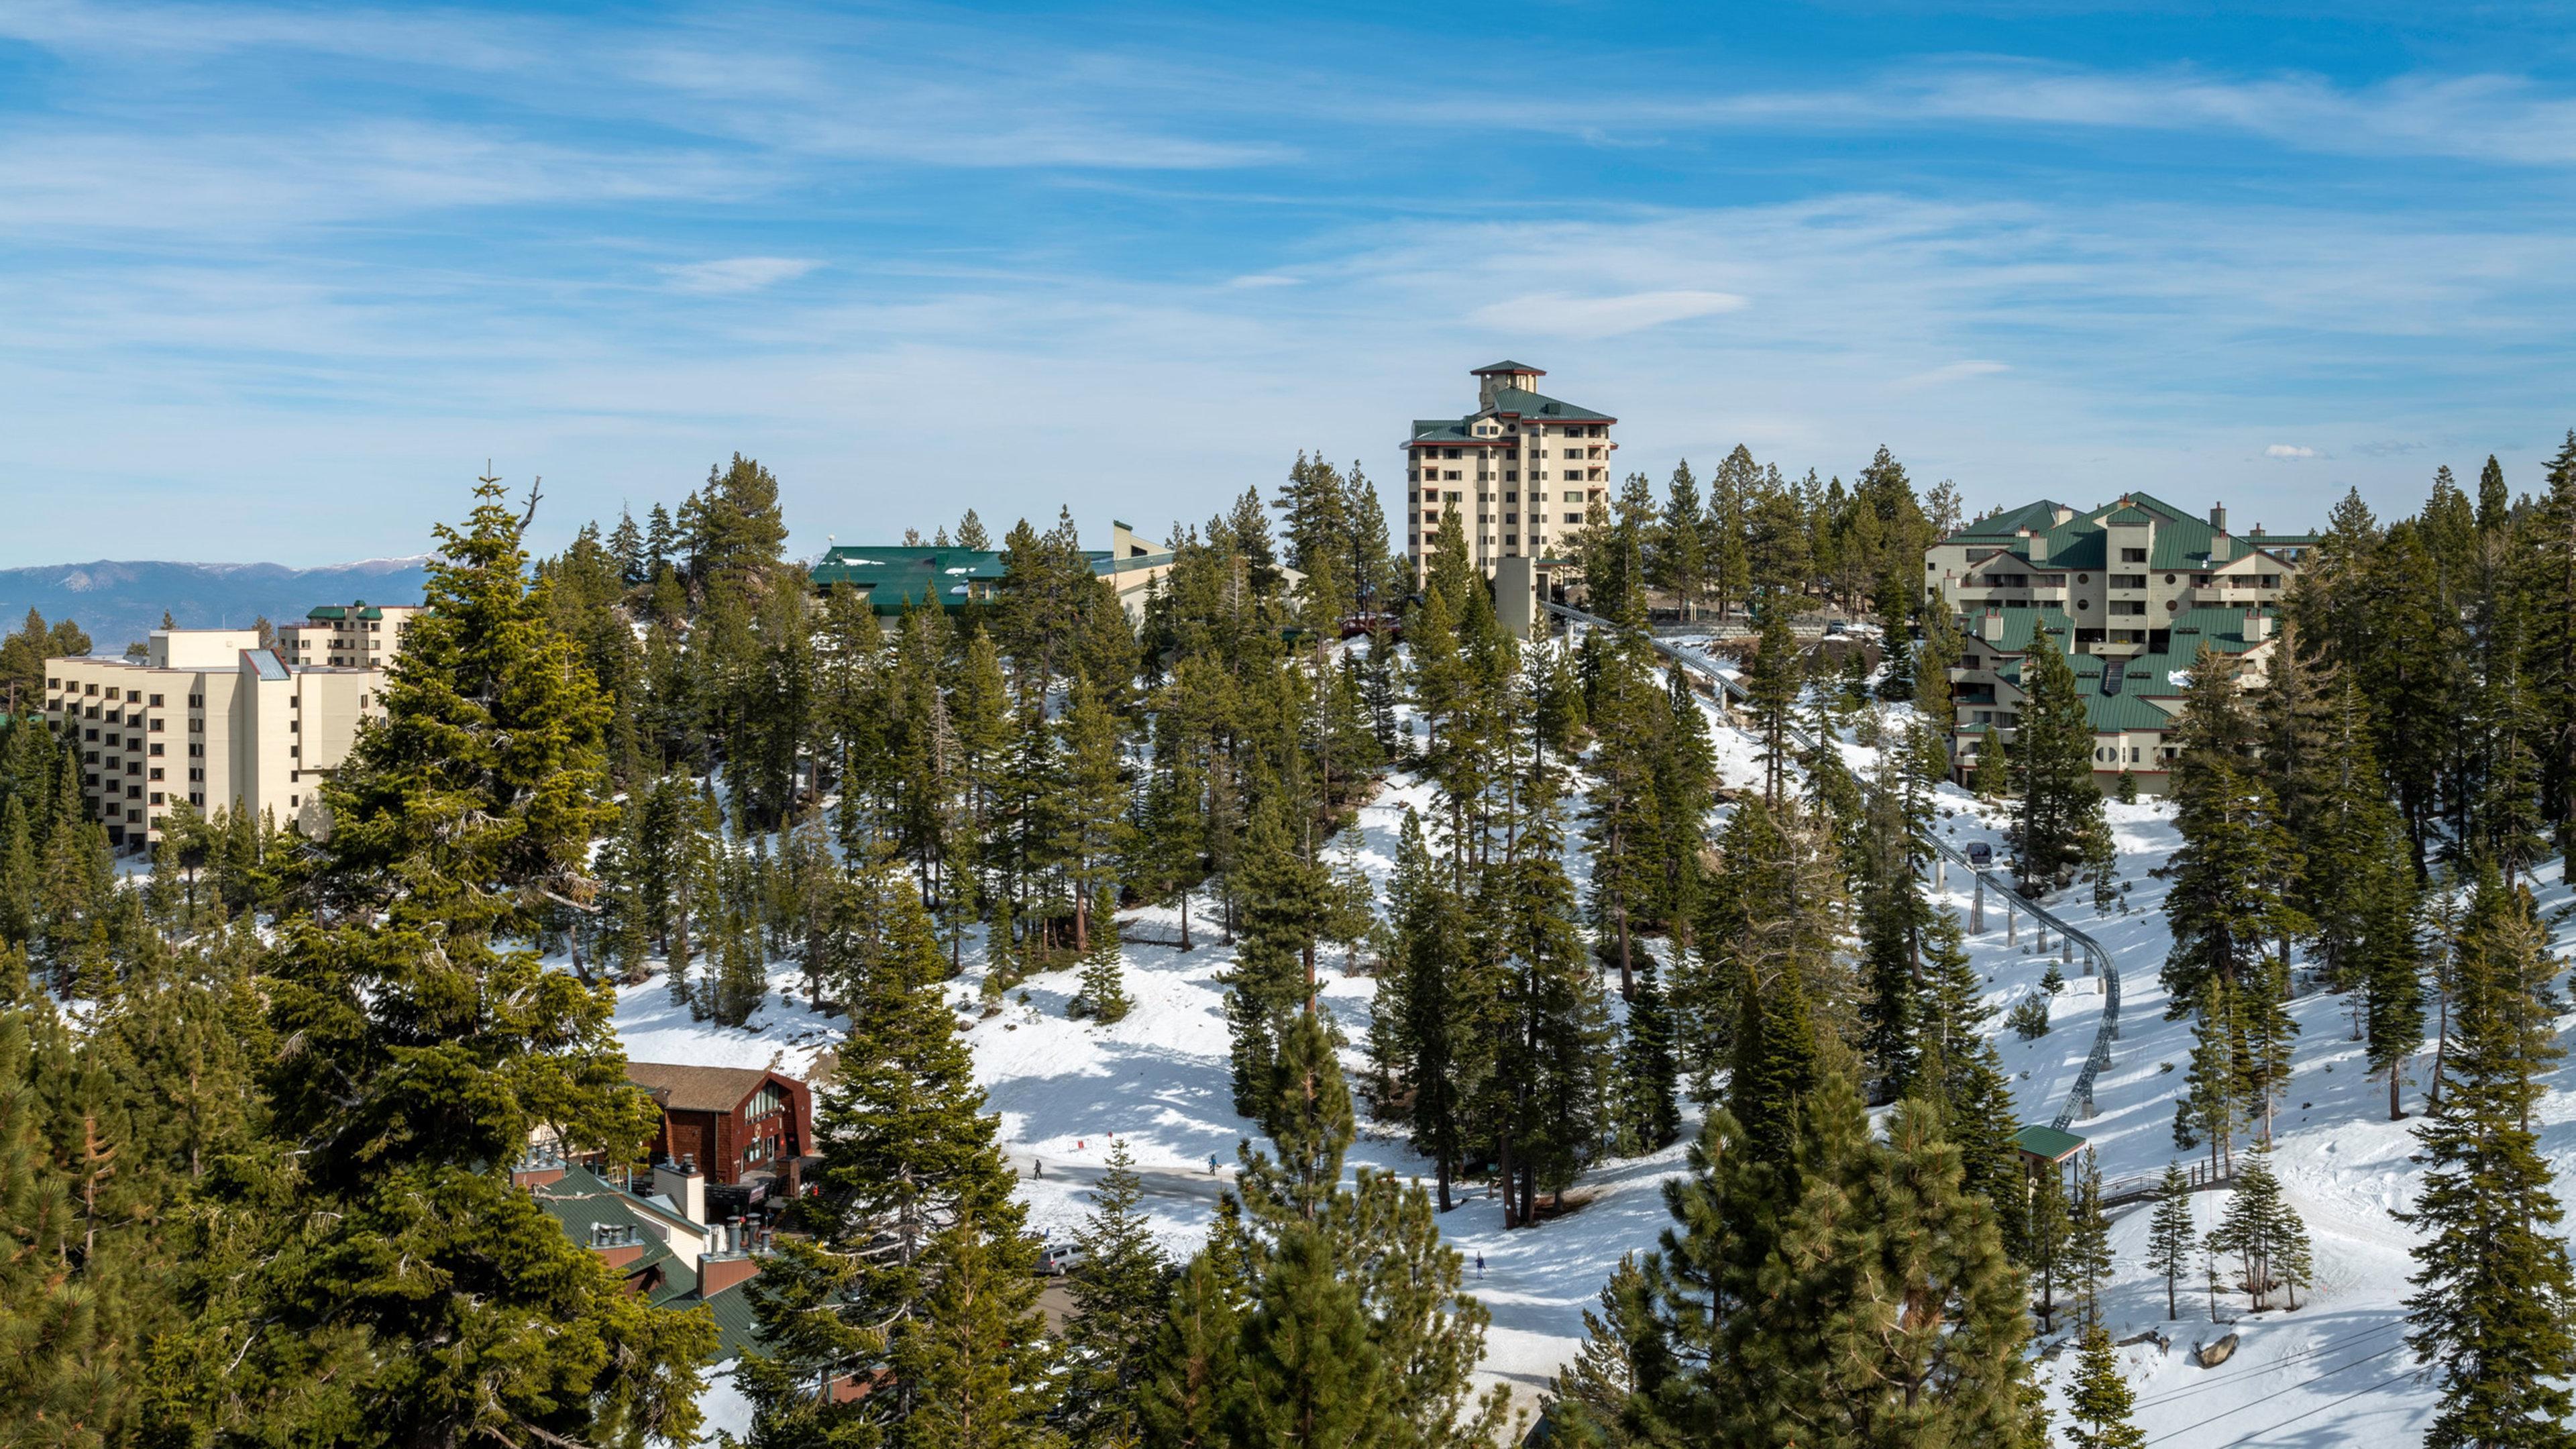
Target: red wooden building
column 740, row 1126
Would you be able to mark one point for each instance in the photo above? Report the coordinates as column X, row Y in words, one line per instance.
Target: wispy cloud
column 1950, row 372
column 1560, row 314
column 2500, row 118
column 2289, row 452
column 738, row 274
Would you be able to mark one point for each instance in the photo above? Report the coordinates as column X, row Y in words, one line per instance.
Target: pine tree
column 973, row 1361
column 2264, row 1232
column 2172, row 1234
column 1960, row 1069
column 1103, row 997
column 2088, row 1245
column 1438, row 1022
column 741, row 981
column 2212, row 1105
column 1864, row 1299
column 1352, row 1321
column 1588, row 1401
column 1994, row 779
column 1122, row 1291
column 1650, row 1111
column 2492, row 1309
column 1194, row 1390
column 2101, row 1402
column 2052, row 1229
column 2061, row 807
column 1772, row 685
column 2225, row 904
column 1274, row 964
column 58, row 1359
column 430, row 1047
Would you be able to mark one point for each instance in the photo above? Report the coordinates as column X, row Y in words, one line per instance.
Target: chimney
column 684, row 1186
column 726, row 1262
column 2039, row 548
column 2218, row 516
column 2258, row 626
column 1991, row 628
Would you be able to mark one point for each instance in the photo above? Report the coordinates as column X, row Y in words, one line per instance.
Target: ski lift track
column 2080, row 1097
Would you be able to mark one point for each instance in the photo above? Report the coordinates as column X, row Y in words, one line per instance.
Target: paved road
column 1185, row 1182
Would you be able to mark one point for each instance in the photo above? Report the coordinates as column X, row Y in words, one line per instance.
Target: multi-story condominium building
column 2129, row 592
column 353, row 636
column 1521, row 471
column 210, row 718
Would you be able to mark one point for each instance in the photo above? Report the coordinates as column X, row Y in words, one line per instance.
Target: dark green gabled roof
column 1507, row 365
column 1538, row 405
column 1443, row 430
column 2146, row 678
column 2042, row 514
column 582, row 1199
column 2129, row 517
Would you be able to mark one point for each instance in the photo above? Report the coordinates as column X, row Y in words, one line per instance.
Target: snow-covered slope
column 2333, row 1372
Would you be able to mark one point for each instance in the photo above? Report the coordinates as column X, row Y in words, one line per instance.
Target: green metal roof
column 897, row 577
column 1538, row 405
column 2048, row 1143
column 1507, row 365
column 2178, row 541
column 1444, row 430
column 2146, row 677
column 2042, row 514
column 582, row 1199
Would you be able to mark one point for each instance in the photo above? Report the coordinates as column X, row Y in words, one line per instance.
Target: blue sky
column 275, row 281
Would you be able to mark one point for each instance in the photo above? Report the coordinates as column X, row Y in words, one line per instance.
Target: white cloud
column 1563, row 315
column 2497, row 118
column 1264, row 279
column 738, row 274
column 2289, row 451
column 1950, row 372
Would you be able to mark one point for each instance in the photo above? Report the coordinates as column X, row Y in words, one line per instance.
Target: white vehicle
column 1057, row 1259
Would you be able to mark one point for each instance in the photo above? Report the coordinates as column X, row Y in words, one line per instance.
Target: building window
column 156, row 749
column 2133, row 555
column 156, row 773
column 1574, row 518
column 155, row 798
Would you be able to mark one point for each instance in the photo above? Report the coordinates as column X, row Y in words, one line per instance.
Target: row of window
column 1571, row 496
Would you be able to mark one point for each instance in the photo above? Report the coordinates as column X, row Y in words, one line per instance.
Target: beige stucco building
column 2129, row 591
column 210, row 718
column 1521, row 471
column 355, row 636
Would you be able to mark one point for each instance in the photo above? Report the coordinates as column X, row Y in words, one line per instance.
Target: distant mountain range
column 120, row 602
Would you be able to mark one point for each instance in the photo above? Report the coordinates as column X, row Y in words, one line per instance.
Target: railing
column 2198, row 1177
column 2109, row 1032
